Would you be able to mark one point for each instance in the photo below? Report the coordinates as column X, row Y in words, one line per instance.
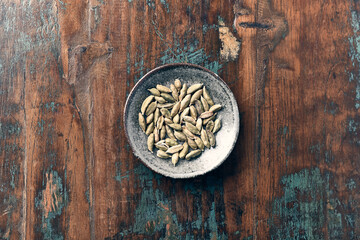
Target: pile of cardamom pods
column 177, row 118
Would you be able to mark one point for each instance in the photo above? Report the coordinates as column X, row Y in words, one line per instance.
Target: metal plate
column 225, row 138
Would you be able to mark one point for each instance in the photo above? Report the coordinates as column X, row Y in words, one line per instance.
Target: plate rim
column 181, row 175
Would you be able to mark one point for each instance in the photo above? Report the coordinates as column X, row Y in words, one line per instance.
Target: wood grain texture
column 67, row 170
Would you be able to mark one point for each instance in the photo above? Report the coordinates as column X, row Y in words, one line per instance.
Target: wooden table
column 67, row 171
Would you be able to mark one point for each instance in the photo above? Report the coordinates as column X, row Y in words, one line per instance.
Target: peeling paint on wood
column 230, row 46
column 68, row 172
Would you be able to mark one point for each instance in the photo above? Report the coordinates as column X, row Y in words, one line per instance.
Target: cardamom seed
column 165, row 113
column 170, row 142
column 160, row 122
column 177, row 84
column 175, row 126
column 199, row 143
column 184, row 151
column 209, row 126
column 160, row 100
column 189, row 120
column 165, row 105
column 194, row 88
column 150, row 109
column 215, row 108
column 156, row 115
column 206, row 114
column 217, row 125
column 207, row 97
column 192, row 143
column 175, row 109
column 193, row 154
column 142, row 122
column 162, row 145
column 199, row 124
column 156, row 135
column 162, row 132
column 188, row 133
column 162, row 154
column 211, row 138
column 154, row 91
column 175, row 149
column 196, row 96
column 180, row 135
column 150, row 129
column 176, row 119
column 163, row 89
column 175, row 158
column 205, row 121
column 185, row 102
column 193, row 112
column 204, row 138
column 146, row 103
column 198, row 106
column 184, row 113
column 150, row 118
column 192, row 128
column 168, row 121
column 150, row 142
column 167, row 97
column 183, row 92
column 170, row 132
column 204, row 104
column 174, row 92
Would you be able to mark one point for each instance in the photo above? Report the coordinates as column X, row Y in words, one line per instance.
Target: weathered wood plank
column 67, row 171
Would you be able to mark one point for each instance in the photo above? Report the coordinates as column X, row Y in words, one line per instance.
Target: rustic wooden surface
column 67, row 171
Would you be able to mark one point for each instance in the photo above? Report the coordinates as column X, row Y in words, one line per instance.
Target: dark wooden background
column 67, row 171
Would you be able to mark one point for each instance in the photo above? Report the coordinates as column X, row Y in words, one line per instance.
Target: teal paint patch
column 41, row 36
column 49, row 106
column 10, row 170
column 284, row 135
column 211, row 185
column 9, row 129
column 353, row 126
column 285, row 130
column 298, row 214
column 320, row 152
column 9, row 203
column 62, row 5
column 351, row 184
column 354, row 53
column 189, row 54
column 248, row 238
column 139, row 65
column 119, row 175
column 14, row 173
column 151, row 4
column 206, row 27
column 309, row 207
column 128, row 62
column 329, row 157
column 166, row 5
column 154, row 213
column 332, row 108
column 87, row 196
column 51, row 202
column 10, row 148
